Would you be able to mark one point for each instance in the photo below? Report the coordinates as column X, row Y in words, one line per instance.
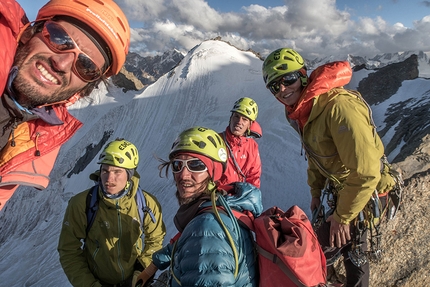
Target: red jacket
column 32, row 158
column 243, row 151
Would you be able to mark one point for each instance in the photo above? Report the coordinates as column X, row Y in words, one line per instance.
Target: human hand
column 339, row 233
column 145, row 275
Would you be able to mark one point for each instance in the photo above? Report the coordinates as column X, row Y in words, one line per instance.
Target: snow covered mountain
column 149, row 69
column 378, row 61
column 200, row 90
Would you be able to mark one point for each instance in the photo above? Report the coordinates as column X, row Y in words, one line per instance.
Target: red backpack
column 289, row 253
column 288, row 250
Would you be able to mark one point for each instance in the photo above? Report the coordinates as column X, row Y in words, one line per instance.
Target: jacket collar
column 322, row 79
column 46, row 114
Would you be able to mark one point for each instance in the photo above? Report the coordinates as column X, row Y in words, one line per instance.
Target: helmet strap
column 304, row 81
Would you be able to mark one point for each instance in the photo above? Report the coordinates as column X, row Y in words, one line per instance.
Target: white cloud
column 316, row 28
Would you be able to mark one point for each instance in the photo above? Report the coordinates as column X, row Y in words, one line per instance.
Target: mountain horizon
column 199, row 90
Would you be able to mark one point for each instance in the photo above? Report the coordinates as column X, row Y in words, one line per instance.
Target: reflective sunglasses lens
column 177, row 166
column 59, row 41
column 193, row 165
column 274, row 87
column 286, row 81
column 196, row 165
column 86, row 68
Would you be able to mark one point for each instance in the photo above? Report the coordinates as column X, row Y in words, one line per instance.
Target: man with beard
column 211, row 249
column 244, row 163
column 46, row 66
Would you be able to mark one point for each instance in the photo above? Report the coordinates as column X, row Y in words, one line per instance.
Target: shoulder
column 15, row 16
column 340, row 98
column 80, row 198
column 205, row 225
column 151, row 200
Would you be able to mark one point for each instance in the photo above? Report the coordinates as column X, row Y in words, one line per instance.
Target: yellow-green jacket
column 114, row 242
column 340, row 136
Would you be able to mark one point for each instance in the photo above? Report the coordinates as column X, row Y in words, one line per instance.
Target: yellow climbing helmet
column 202, row 141
column 246, row 107
column 280, row 62
column 120, row 153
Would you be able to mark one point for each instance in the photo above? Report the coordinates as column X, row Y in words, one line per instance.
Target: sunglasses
column 286, row 80
column 56, row 38
column 193, row 165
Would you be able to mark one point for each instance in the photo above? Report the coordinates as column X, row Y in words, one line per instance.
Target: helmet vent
column 212, row 140
column 200, row 144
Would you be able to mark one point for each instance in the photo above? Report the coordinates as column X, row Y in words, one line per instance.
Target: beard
column 27, row 94
column 183, row 201
column 199, row 192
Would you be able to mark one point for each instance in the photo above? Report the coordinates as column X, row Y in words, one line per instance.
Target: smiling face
column 46, row 77
column 289, row 95
column 190, row 185
column 239, row 124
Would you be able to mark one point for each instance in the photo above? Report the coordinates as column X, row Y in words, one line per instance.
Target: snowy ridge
column 199, row 91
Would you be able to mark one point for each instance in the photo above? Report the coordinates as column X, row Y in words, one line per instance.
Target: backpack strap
column 92, row 205
column 143, row 208
column 231, row 155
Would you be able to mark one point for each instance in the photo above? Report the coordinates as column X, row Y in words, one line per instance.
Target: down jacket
column 202, row 255
column 31, row 158
column 340, row 139
column 114, row 242
column 244, row 163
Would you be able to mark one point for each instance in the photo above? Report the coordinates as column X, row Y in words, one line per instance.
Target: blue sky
column 314, row 28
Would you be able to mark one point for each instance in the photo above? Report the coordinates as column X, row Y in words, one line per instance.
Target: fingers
column 339, row 233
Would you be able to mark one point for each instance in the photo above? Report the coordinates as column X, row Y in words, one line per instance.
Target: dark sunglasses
column 56, row 38
column 193, row 165
column 286, row 80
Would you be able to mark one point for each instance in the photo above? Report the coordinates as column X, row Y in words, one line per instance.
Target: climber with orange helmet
column 48, row 64
column 244, row 163
column 120, row 224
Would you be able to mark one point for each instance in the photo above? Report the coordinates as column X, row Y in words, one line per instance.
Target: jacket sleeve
column 316, row 180
column 154, row 231
column 161, row 258
column 13, row 19
column 360, row 150
column 72, row 257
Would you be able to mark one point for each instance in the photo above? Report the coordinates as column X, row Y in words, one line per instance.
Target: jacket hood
column 245, row 197
column 232, row 139
column 322, row 79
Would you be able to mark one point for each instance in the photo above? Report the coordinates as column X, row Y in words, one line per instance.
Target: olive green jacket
column 340, row 139
column 114, row 242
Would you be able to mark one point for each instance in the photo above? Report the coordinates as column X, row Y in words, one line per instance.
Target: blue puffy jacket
column 203, row 255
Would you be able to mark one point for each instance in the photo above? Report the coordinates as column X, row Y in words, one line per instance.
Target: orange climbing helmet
column 104, row 17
